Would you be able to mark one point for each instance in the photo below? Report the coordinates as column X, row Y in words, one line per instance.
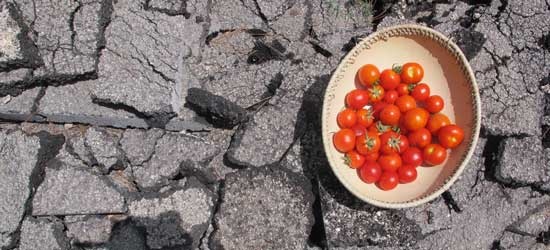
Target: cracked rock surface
column 188, row 124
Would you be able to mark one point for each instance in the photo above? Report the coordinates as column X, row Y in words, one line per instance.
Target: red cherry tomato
column 407, row 174
column 436, row 122
column 415, row 119
column 420, row 138
column 450, row 136
column 390, row 162
column 391, row 142
column 370, row 172
column 354, row 159
column 403, row 89
column 346, row 118
column 372, row 156
column 390, row 115
column 357, row 98
column 412, row 72
column 412, row 156
column 389, row 79
column 434, row 104
column 359, row 130
column 405, row 103
column 376, row 108
column 421, row 92
column 369, row 143
column 364, row 117
column 434, row 154
column 368, row 75
column 344, row 140
column 379, row 128
column 388, row 180
column 376, row 93
column 390, row 96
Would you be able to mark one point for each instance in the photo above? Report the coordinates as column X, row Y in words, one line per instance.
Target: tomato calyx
column 394, row 142
column 376, row 92
column 411, row 87
column 381, row 127
column 347, row 160
column 397, row 68
column 396, row 129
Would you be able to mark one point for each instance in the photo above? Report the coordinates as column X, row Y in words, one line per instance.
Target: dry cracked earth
column 194, row 124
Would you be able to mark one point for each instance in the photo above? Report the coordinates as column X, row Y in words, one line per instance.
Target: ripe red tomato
column 412, row 73
column 389, row 79
column 391, row 142
column 415, row 119
column 388, row 180
column 368, row 143
column 368, row 75
column 434, row 104
column 364, row 117
column 344, row 140
column 450, row 136
column 412, row 156
column 390, row 115
column 403, row 89
column 359, row 130
column 405, row 103
column 357, row 98
column 434, row 154
column 379, row 128
column 370, row 172
column 390, row 162
column 376, row 108
column 407, row 174
column 372, row 156
column 346, row 118
column 420, row 138
column 436, row 122
column 354, row 159
column 421, row 92
column 376, row 93
column 390, row 96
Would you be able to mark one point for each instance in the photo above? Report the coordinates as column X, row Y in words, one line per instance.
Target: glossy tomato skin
column 369, row 143
column 390, row 96
column 376, row 108
column 407, row 174
column 388, row 180
column 344, row 140
column 434, row 154
column 450, row 136
column 354, row 160
column 405, row 103
column 420, row 138
column 415, row 119
column 412, row 73
column 412, row 156
column 403, row 89
column 434, row 104
column 364, row 117
column 379, row 128
column 372, row 156
column 390, row 162
column 436, row 122
column 368, row 75
column 370, row 172
column 359, row 130
column 357, row 98
column 390, row 115
column 421, row 92
column 346, row 118
column 376, row 93
column 389, row 79
column 392, row 142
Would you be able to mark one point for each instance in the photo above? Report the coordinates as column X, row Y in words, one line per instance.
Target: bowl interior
column 443, row 73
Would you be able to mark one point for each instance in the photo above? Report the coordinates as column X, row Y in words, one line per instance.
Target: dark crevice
column 106, row 12
column 379, row 10
column 501, row 8
column 544, row 41
column 154, row 120
column 264, row 52
column 491, row 154
column 71, row 23
column 544, row 237
column 317, row 236
column 180, row 11
column 450, row 202
column 36, row 102
column 273, row 85
column 260, row 13
column 496, row 245
column 211, row 243
column 320, row 49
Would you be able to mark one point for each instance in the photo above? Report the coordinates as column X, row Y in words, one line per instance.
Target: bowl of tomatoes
column 401, row 116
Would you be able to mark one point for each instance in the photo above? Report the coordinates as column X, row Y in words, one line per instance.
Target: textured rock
column 19, row 107
column 18, row 158
column 69, row 191
column 217, row 110
column 534, row 223
column 172, row 151
column 522, row 166
column 125, row 236
column 281, row 218
column 139, row 144
column 44, row 233
column 178, row 218
column 512, row 241
column 93, row 229
column 105, row 148
column 232, row 15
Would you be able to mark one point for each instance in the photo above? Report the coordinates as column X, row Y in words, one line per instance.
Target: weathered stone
column 518, row 165
column 281, row 218
column 125, row 236
column 512, row 241
column 69, row 191
column 19, row 155
column 19, row 107
column 177, row 218
column 172, row 151
column 43, row 233
column 93, row 229
column 139, row 144
column 104, row 146
column 217, row 110
column 233, row 15
column 535, row 223
column 289, row 18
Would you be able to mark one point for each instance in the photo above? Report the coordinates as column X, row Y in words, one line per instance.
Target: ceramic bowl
column 446, row 71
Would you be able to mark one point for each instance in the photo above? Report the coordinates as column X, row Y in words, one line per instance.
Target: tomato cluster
column 391, row 125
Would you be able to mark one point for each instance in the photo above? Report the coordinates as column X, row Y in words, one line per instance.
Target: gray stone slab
column 43, row 233
column 139, row 144
column 512, row 241
column 522, row 162
column 125, row 236
column 19, row 107
column 216, row 109
column 18, row 159
column 16, row 49
column 104, row 146
column 276, row 204
column 82, row 229
column 70, row 191
column 232, row 15
column 177, row 217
